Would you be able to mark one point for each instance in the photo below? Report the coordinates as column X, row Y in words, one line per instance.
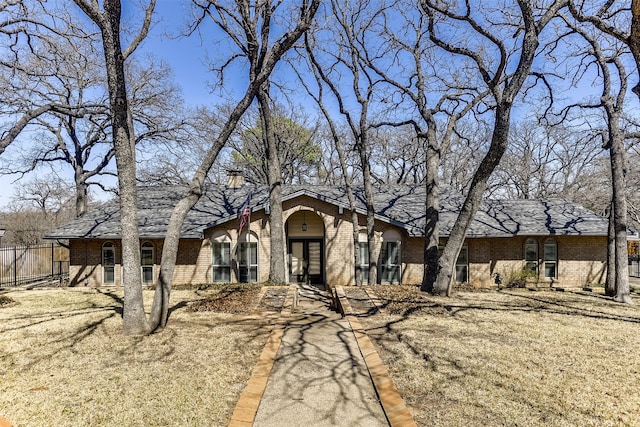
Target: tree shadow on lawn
column 319, row 356
column 56, row 331
column 584, row 304
column 450, row 369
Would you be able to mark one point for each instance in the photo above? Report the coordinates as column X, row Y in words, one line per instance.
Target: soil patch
column 230, row 298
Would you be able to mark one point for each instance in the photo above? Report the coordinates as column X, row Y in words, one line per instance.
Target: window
column 146, row 261
column 363, row 265
column 221, row 261
column 531, row 256
column 108, row 263
column 550, row 259
column 248, row 262
column 391, row 262
column 462, row 266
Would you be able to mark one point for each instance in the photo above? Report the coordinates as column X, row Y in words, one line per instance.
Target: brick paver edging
column 249, row 401
column 393, row 404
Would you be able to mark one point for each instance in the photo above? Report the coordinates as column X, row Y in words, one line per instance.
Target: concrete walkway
column 319, row 377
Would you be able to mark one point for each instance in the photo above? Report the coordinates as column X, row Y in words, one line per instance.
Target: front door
column 306, row 261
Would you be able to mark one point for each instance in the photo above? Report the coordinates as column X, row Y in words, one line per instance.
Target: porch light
column 304, row 221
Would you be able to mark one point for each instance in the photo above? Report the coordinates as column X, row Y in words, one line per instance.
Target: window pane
column 550, row 270
column 147, row 274
column 461, row 273
column 222, row 274
column 364, row 253
column 392, row 253
column 147, row 257
column 108, row 256
column 463, row 257
column 109, row 274
column 253, row 249
column 364, row 271
column 550, row 251
column 531, row 252
column 221, row 251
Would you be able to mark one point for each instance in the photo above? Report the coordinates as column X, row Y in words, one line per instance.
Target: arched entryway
column 305, row 247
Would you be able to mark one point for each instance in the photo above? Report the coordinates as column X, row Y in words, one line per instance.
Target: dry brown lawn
column 64, row 361
column 515, row 358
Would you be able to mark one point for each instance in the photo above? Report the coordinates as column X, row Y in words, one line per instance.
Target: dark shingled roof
column 396, row 204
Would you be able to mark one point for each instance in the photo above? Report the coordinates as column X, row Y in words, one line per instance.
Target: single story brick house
column 553, row 241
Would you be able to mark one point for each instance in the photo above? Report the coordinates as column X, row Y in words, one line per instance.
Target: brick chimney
column 235, row 179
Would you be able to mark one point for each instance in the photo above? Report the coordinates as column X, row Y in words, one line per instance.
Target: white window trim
column 215, row 266
column 249, row 265
column 108, row 246
column 153, row 265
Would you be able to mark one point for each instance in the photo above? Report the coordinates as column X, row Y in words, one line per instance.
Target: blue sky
column 184, row 54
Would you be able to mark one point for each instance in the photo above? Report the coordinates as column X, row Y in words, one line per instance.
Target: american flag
column 244, row 214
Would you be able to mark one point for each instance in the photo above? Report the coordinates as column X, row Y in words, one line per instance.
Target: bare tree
column 27, row 29
column 82, row 141
column 503, row 69
column 108, row 20
column 547, row 161
column 336, row 59
column 247, row 24
column 617, row 19
column 37, row 208
column 608, row 56
column 337, row 138
column 438, row 97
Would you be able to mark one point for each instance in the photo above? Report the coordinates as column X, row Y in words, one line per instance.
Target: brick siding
column 581, row 259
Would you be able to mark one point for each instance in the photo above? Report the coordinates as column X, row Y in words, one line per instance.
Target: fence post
column 52, row 262
column 15, row 266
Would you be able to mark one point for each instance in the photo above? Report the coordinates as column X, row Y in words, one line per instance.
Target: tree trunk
column 134, row 319
column 81, row 196
column 634, row 39
column 160, row 307
column 368, row 195
column 277, row 265
column 610, row 285
column 619, row 216
column 431, row 232
column 499, row 141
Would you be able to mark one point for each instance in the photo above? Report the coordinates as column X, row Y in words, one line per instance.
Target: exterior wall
column 193, row 264
column 581, row 259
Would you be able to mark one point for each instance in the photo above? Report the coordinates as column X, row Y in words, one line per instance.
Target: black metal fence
column 22, row 265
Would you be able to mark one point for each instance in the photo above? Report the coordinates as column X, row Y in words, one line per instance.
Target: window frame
column 532, row 265
column 147, row 267
column 252, row 268
column 548, row 243
column 362, row 265
column 108, row 247
column 221, row 272
column 387, row 266
column 463, row 265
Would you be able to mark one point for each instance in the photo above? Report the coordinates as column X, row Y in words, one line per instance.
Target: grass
column 64, row 361
column 515, row 357
column 512, row 358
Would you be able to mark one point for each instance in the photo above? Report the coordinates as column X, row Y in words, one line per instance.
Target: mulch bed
column 233, row 299
column 242, row 299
